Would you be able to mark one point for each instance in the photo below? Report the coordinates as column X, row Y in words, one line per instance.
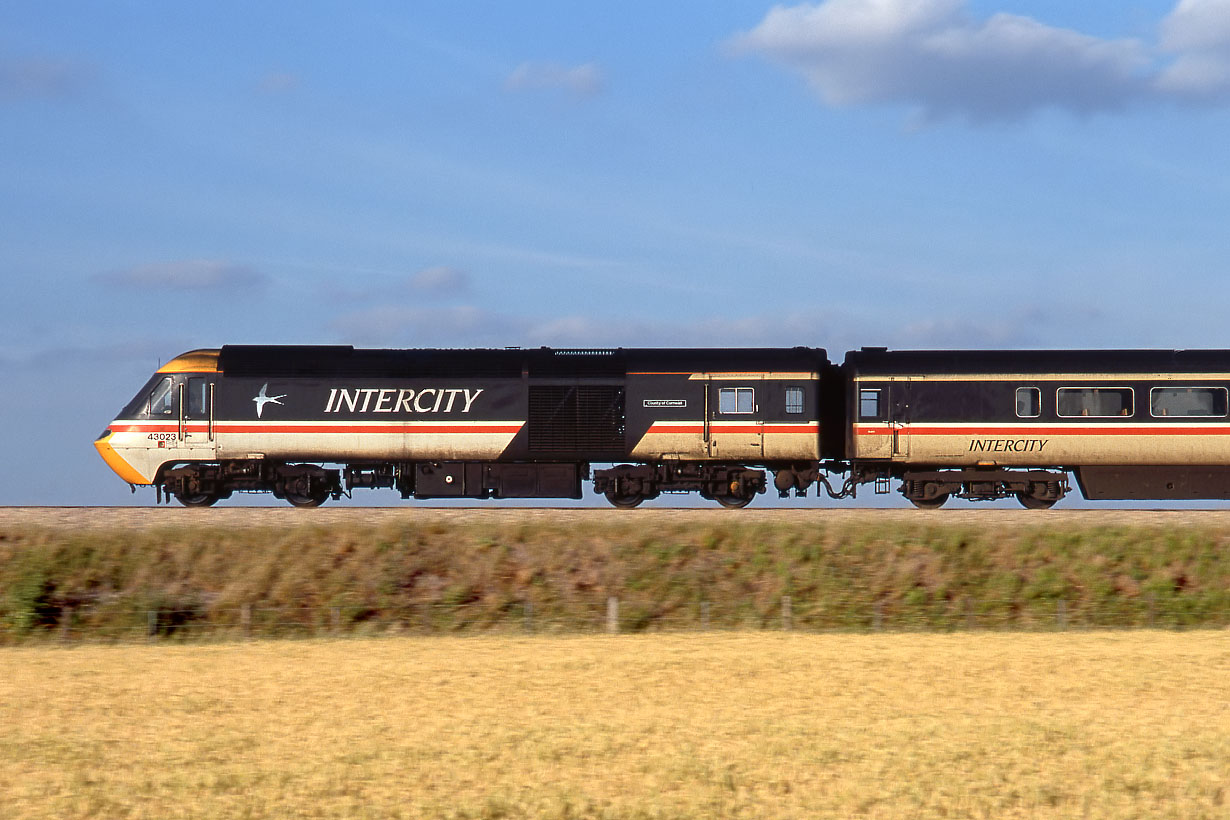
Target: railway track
column 74, row 518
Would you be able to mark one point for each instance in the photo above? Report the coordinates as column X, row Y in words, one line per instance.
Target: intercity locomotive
column 312, row 423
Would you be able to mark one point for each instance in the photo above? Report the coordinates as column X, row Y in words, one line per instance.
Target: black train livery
column 310, row 423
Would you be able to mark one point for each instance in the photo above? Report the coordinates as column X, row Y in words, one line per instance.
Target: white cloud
column 98, row 353
column 460, row 325
column 1197, row 24
column 836, row 329
column 34, row 78
column 469, row 326
column 185, row 275
column 933, row 55
column 440, row 280
column 579, row 81
column 1198, row 33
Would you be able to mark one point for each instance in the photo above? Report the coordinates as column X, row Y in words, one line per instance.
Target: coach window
column 1208, row 402
column 869, row 404
column 736, row 400
column 1102, row 402
column 160, row 400
column 1028, row 402
column 794, row 400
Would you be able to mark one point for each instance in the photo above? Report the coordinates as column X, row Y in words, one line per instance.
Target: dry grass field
column 996, row 725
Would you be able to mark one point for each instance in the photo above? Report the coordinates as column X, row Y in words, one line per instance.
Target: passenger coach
column 1130, row 424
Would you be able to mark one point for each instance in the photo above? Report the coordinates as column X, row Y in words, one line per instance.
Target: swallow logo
column 261, row 399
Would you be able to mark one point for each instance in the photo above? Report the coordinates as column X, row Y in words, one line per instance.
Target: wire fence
column 102, row 624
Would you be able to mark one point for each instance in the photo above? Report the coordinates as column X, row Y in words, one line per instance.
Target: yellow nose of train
column 115, row 461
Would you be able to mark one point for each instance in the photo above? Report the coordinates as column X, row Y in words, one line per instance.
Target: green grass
column 442, row 576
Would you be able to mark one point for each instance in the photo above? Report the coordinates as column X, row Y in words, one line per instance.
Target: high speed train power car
column 310, row 423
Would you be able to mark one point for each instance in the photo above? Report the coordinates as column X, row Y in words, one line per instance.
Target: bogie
column 202, row 485
column 1035, row 489
column 731, row 485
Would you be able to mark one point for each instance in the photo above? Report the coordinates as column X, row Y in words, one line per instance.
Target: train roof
column 344, row 360
column 881, row 361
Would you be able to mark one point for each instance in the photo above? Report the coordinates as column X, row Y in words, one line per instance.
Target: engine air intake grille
column 576, row 419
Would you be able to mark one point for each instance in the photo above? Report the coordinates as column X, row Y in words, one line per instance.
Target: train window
column 794, row 400
column 1095, row 401
column 736, row 400
column 1188, row 401
column 196, row 397
column 1028, row 402
column 161, row 399
column 869, row 404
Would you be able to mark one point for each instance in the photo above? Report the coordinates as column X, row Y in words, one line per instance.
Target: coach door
column 882, row 415
column 196, row 416
column 899, row 417
column 734, row 423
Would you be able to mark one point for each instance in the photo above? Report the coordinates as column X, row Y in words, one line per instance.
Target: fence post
column 245, row 620
column 529, row 616
column 1152, row 609
column 151, row 625
column 66, row 621
column 612, row 615
column 335, row 620
column 1061, row 614
column 704, row 616
column 877, row 622
column 787, row 614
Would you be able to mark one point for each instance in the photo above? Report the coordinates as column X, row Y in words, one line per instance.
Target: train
column 313, row 423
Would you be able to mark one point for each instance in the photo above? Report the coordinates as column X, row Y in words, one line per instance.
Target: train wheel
column 930, row 503
column 733, row 502
column 624, row 501
column 1032, row 502
column 197, row 499
column 306, row 500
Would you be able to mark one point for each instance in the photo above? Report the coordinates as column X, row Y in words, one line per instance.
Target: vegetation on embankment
column 544, row 574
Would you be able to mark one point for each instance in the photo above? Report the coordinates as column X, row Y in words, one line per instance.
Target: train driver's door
column 196, row 409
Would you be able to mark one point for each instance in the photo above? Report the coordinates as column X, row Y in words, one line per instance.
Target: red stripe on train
column 715, row 429
column 1073, row 430
column 486, row 429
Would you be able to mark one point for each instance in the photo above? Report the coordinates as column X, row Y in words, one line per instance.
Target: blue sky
column 913, row 173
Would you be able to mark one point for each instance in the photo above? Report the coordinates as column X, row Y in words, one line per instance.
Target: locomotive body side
column 352, row 419
column 760, row 416
column 471, row 423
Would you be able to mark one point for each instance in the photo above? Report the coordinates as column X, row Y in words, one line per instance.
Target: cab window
column 196, row 397
column 162, row 399
column 736, row 400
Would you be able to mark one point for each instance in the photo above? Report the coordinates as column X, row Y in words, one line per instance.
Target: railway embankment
column 227, row 574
